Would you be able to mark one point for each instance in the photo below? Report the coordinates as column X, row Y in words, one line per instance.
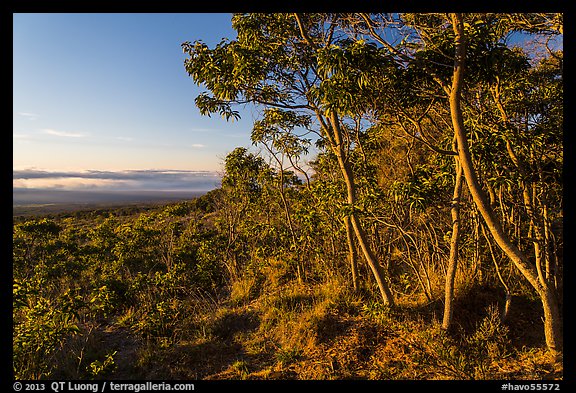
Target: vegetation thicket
column 422, row 241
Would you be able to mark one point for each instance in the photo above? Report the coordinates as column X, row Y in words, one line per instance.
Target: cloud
column 141, row 180
column 20, row 136
column 68, row 183
column 198, row 145
column 64, row 134
column 124, row 138
column 31, row 116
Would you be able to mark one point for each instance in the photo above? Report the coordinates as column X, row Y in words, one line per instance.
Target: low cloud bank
column 130, row 180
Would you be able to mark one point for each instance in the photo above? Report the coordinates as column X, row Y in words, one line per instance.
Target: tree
column 532, row 273
column 275, row 131
column 431, row 55
column 455, row 237
column 245, row 184
column 298, row 64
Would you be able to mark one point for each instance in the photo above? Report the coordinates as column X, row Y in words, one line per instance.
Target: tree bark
column 552, row 328
column 454, row 241
column 351, row 252
column 344, row 165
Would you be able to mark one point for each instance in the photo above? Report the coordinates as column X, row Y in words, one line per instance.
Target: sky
column 103, row 100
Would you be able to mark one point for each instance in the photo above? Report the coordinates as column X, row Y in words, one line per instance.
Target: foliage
column 263, row 263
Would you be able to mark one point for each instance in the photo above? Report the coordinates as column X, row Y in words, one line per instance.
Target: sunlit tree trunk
column 351, row 252
column 454, row 241
column 344, row 165
column 552, row 328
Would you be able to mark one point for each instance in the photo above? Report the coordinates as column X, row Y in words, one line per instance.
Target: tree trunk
column 377, row 270
column 453, row 259
column 549, row 302
column 300, row 273
column 351, row 252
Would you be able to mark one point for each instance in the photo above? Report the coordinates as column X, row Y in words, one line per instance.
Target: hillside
column 113, row 312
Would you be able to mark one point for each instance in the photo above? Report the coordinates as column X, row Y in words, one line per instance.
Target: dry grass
column 270, row 327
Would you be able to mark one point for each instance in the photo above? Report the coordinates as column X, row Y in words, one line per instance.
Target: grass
column 323, row 330
column 329, row 333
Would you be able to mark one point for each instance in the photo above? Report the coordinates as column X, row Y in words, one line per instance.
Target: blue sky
column 109, row 92
column 99, row 99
